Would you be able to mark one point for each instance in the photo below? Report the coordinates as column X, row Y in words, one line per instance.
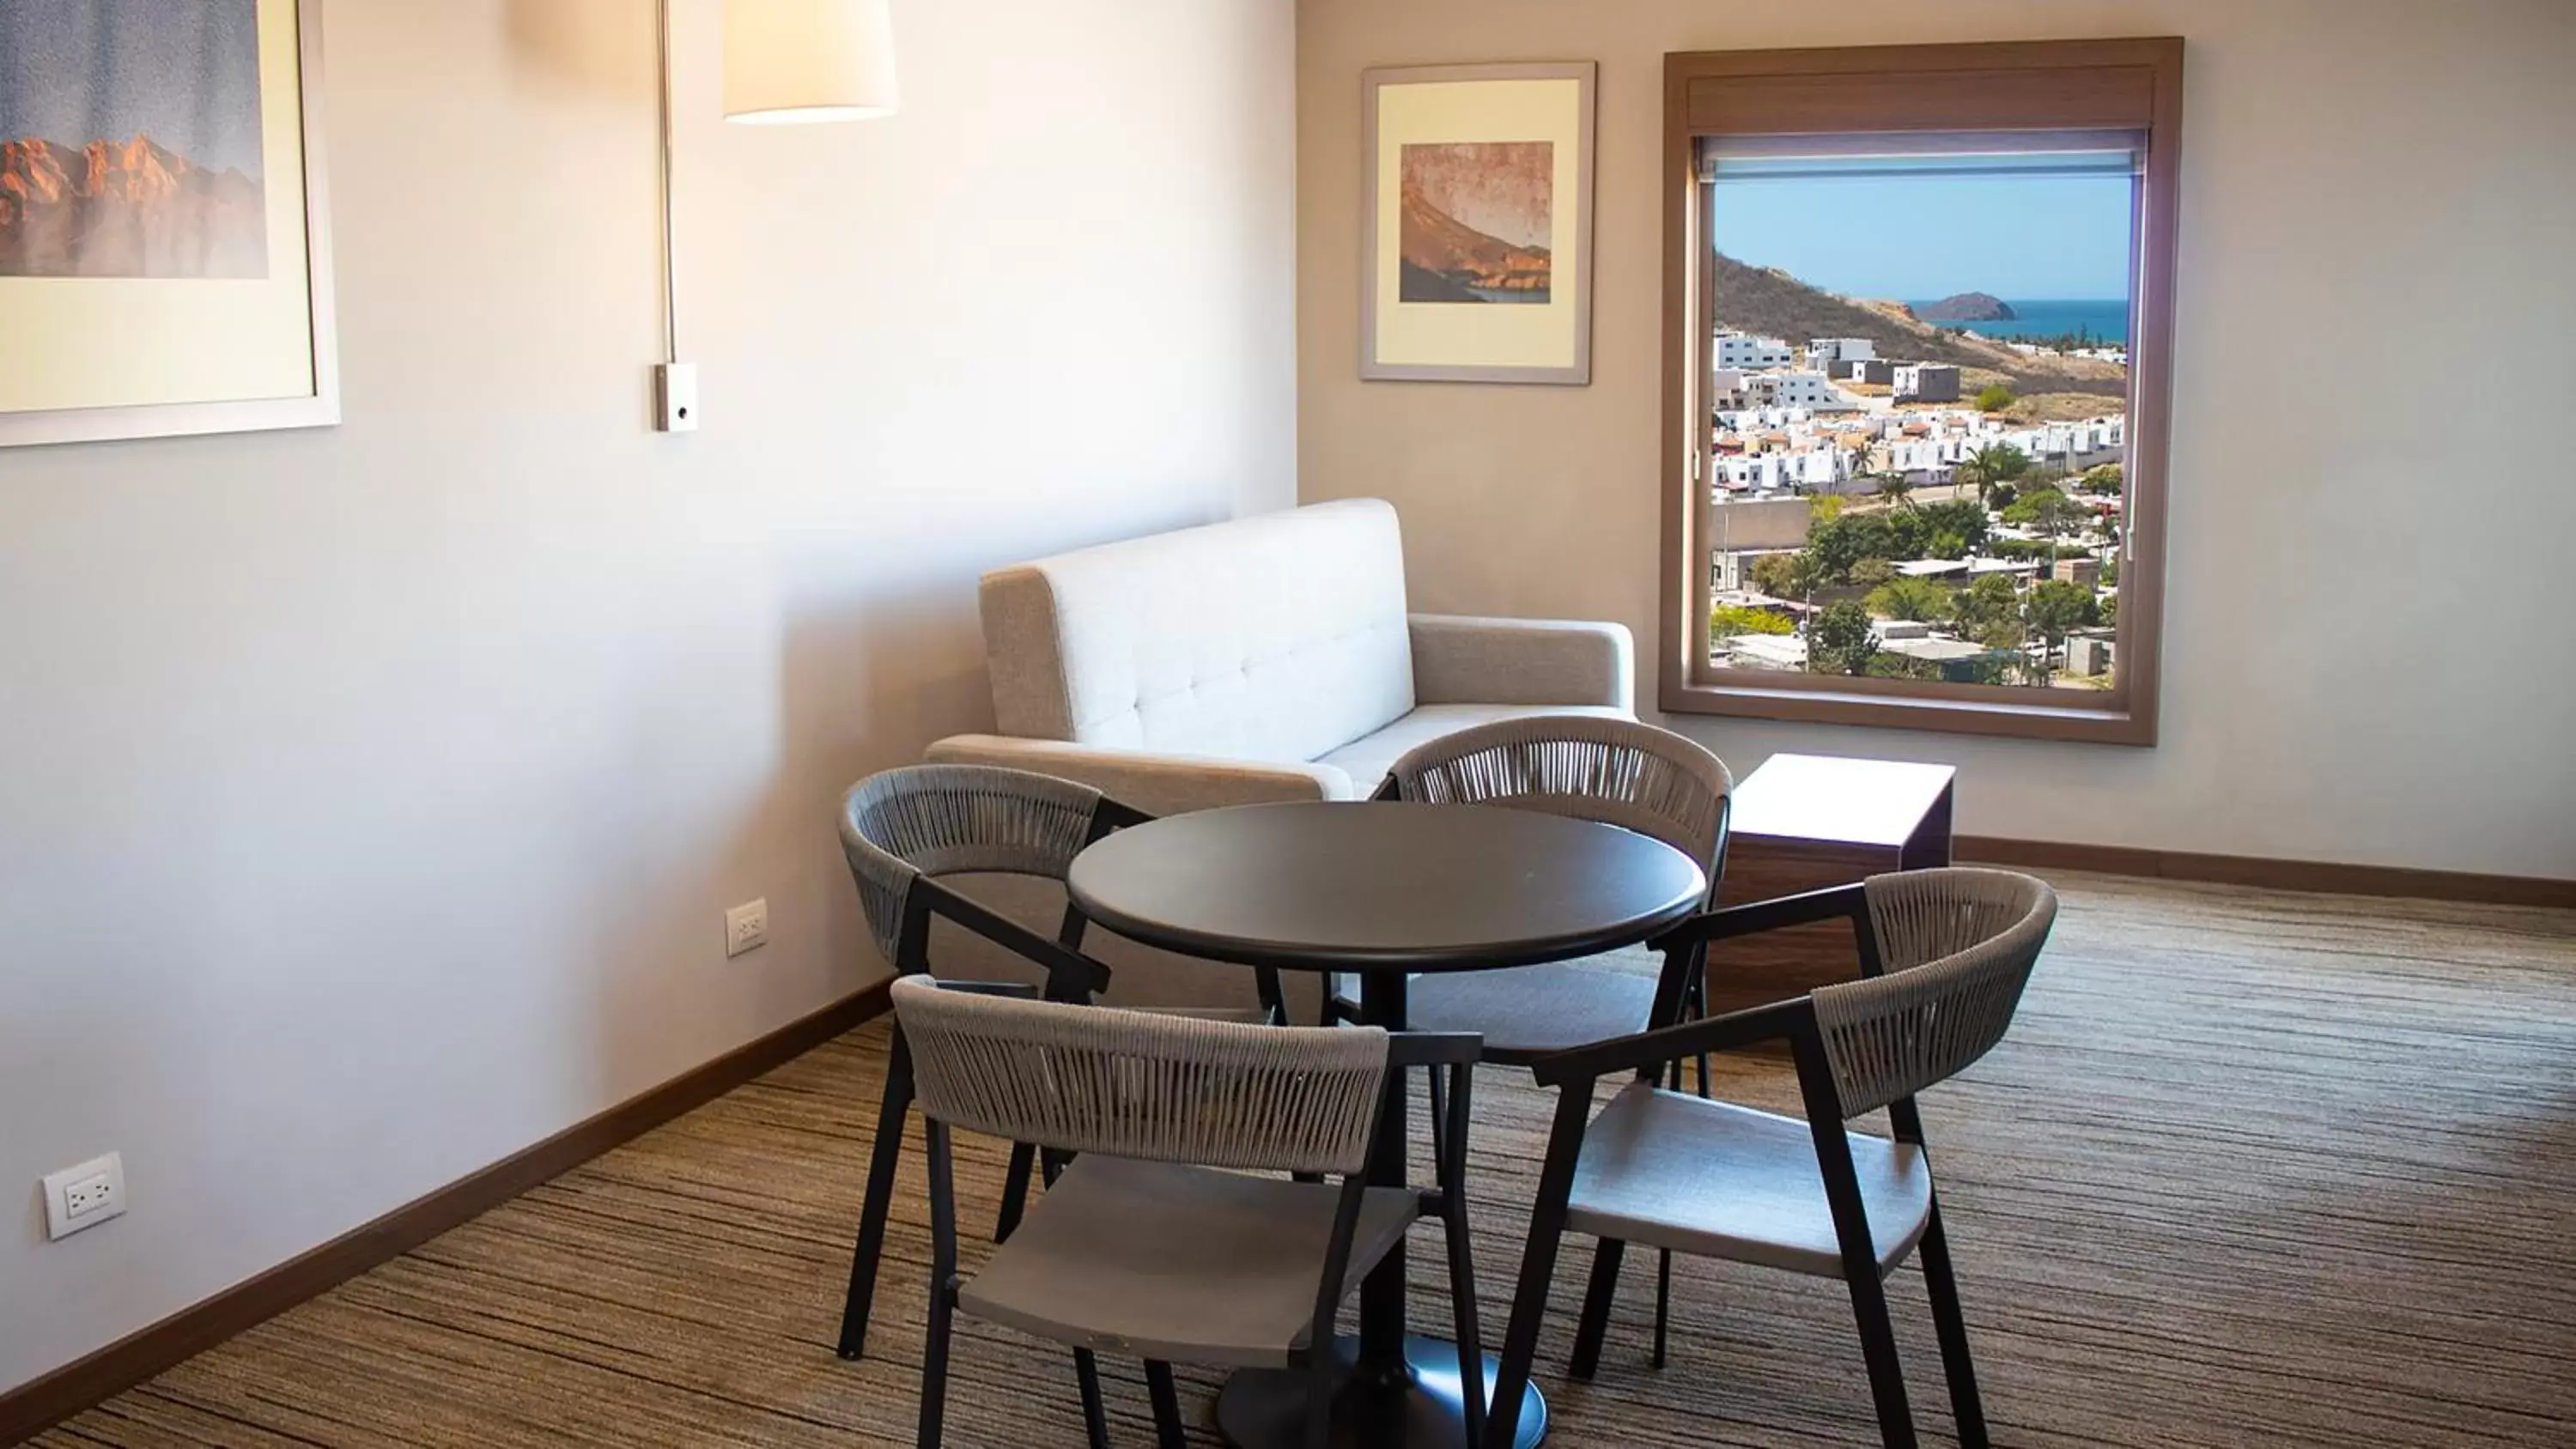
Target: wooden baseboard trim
column 37, row 1406
column 2326, row 877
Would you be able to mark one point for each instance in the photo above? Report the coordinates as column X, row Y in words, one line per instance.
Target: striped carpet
column 2252, row 1169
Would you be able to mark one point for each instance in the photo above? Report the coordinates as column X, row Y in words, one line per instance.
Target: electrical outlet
column 84, row 1196
column 747, row 927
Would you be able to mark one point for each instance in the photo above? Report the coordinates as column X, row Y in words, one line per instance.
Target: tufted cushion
column 1281, row 636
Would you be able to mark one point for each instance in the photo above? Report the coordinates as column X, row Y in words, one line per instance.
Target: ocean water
column 2107, row 319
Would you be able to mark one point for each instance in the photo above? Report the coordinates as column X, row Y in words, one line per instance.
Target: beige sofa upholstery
column 1271, row 658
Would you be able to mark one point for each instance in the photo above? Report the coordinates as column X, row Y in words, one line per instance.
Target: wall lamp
column 786, row 62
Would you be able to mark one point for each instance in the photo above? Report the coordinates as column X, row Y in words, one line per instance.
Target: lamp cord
column 670, row 241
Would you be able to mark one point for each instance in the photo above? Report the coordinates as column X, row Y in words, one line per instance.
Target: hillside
column 1775, row 304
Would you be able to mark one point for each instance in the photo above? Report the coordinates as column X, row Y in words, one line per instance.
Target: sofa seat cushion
column 1368, row 758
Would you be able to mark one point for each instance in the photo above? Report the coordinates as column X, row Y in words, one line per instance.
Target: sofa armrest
column 1461, row 660
column 1154, row 783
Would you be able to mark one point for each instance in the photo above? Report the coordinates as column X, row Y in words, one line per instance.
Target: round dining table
column 1384, row 890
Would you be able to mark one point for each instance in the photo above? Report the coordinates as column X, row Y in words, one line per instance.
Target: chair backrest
column 941, row 819
column 1277, row 637
column 1614, row 771
column 1144, row 1085
column 1957, row 946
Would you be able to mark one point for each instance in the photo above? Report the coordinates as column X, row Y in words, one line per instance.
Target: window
column 1918, row 307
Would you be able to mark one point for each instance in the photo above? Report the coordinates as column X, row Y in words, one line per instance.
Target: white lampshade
column 790, row 61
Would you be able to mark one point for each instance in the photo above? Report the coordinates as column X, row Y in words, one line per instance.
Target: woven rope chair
column 901, row 831
column 1944, row 956
column 1158, row 1240
column 1617, row 772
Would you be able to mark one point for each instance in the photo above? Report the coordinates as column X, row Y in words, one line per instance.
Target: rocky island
column 1968, row 307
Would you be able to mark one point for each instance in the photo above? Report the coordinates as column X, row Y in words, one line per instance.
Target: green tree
column 1958, row 520
column 1995, row 463
column 2046, row 509
column 1920, row 599
column 1894, row 488
column 2055, row 606
column 1995, row 398
column 1989, row 611
column 1838, row 639
column 1728, row 620
column 1869, row 573
column 1780, row 575
column 1833, row 546
column 2104, row 481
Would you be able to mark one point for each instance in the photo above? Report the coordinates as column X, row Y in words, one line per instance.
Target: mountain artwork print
column 1477, row 221
column 130, row 139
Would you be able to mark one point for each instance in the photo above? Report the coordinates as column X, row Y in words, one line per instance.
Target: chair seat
column 1527, row 1012
column 1191, row 1264
column 1717, row 1180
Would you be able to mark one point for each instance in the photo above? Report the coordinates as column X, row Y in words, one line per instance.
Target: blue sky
column 187, row 75
column 1921, row 239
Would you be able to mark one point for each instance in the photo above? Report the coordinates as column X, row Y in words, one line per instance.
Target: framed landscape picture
column 165, row 262
column 1477, row 254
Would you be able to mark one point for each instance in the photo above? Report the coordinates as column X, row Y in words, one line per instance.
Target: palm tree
column 1992, row 464
column 1970, row 474
column 1894, row 488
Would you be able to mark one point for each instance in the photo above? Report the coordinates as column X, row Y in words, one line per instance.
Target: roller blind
column 1927, row 154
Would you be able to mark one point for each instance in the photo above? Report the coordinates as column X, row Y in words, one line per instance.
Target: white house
column 1797, row 390
column 1824, row 352
column 1927, row 381
column 1743, row 349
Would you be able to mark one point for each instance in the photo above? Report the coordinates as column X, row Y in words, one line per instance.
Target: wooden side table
column 1804, row 822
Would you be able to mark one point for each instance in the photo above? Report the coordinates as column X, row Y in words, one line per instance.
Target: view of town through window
column 1919, row 392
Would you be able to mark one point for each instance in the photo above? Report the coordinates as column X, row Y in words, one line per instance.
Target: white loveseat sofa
column 1271, row 658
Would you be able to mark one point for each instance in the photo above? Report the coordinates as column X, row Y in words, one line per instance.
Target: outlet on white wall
column 84, row 1196
column 747, row 927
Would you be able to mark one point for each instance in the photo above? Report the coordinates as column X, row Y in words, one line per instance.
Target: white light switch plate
column 84, row 1196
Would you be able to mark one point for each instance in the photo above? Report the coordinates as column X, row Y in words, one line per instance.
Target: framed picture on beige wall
column 1477, row 249
column 164, row 250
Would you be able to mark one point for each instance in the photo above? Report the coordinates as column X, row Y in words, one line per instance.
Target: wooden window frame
column 2018, row 86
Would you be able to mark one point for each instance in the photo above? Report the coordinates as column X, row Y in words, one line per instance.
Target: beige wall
column 2367, row 652
column 369, row 798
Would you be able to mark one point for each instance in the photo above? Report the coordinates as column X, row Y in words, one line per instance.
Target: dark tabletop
column 1352, row 886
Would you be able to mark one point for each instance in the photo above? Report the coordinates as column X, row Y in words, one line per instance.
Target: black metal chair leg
column 1942, row 1284
column 1095, row 1417
column 1538, row 1265
column 1663, row 1300
column 1878, row 1349
column 879, row 1201
column 1694, row 1008
column 943, row 1290
column 1320, row 1384
column 1015, row 1191
column 1594, row 1322
column 1439, row 1119
column 1168, row 1432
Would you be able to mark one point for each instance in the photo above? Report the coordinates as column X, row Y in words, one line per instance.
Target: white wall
column 369, row 798
column 2366, row 651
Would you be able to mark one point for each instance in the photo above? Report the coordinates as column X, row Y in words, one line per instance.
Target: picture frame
column 1476, row 246
column 218, row 318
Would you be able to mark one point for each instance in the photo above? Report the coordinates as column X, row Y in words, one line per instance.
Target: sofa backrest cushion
column 1280, row 636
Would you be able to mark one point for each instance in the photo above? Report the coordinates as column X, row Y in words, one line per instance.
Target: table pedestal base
column 1266, row 1408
